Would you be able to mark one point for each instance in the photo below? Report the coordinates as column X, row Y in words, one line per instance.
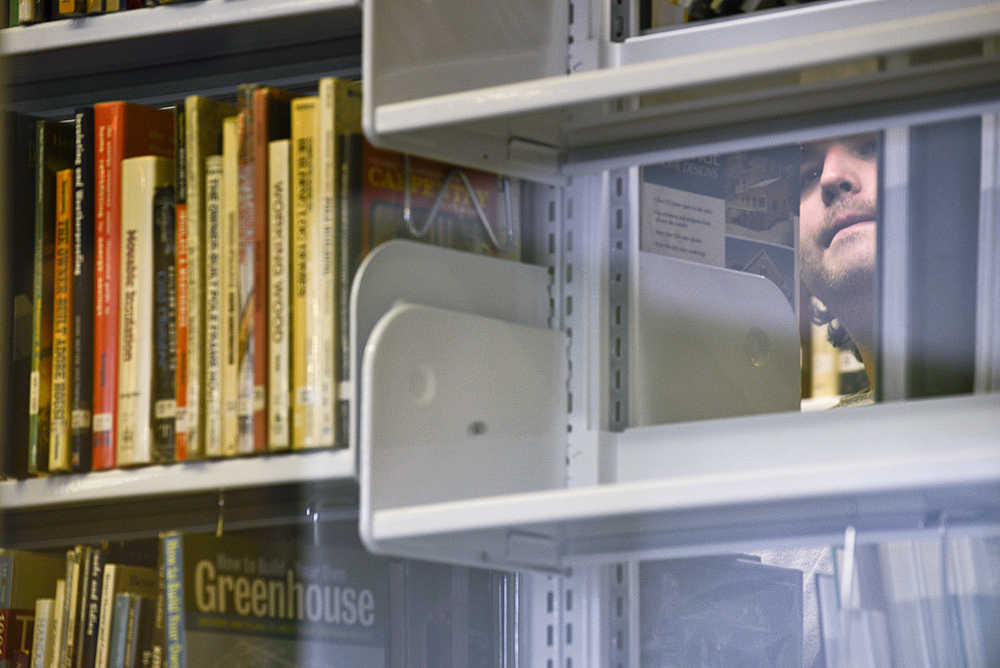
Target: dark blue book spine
column 164, row 395
column 83, row 289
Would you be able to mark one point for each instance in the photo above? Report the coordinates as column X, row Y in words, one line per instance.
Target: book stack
column 190, row 281
column 30, row 12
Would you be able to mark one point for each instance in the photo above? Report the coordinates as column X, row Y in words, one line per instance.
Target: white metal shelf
column 548, row 127
column 728, row 484
column 178, row 479
column 174, row 20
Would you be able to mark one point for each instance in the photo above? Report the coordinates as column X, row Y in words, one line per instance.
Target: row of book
column 28, row 12
column 189, row 288
column 251, row 598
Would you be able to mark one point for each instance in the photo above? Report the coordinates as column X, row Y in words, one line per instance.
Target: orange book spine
column 182, row 327
column 122, row 130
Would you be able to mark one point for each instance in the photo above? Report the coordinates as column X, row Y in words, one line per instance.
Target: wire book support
column 421, row 230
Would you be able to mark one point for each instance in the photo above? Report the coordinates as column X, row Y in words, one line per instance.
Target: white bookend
column 141, row 177
column 212, row 418
column 279, row 233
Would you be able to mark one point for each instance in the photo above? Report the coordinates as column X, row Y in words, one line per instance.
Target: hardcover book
column 83, row 290
column 267, row 116
column 142, row 177
column 233, row 339
column 54, row 143
column 57, row 632
column 60, row 456
column 213, row 308
column 164, row 396
column 236, row 601
column 122, row 130
column 279, row 255
column 339, row 120
column 180, row 320
column 307, row 430
column 203, row 137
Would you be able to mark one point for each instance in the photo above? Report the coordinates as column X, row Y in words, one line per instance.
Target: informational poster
column 738, row 211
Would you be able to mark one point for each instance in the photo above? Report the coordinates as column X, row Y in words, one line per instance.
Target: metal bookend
column 421, row 230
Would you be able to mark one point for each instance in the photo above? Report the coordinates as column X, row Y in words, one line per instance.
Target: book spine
column 108, row 126
column 41, row 339
column 86, row 564
column 5, row 626
column 251, row 343
column 181, row 289
column 212, row 356
column 140, row 178
column 278, row 273
column 164, row 396
column 324, row 258
column 119, row 632
column 95, row 6
column 71, row 603
column 107, row 612
column 68, row 8
column 83, row 290
column 173, row 574
column 58, row 622
column 232, row 334
column 92, row 616
column 43, row 622
column 303, row 214
column 60, row 458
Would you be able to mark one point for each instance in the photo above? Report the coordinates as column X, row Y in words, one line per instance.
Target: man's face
column 837, row 216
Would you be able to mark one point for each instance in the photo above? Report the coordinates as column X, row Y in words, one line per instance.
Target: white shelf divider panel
column 176, row 479
column 729, row 485
column 547, row 125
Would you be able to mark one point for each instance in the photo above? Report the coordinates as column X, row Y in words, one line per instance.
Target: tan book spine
column 212, row 413
column 62, row 327
column 203, row 130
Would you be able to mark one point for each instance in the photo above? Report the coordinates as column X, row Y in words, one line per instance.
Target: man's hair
column 835, row 332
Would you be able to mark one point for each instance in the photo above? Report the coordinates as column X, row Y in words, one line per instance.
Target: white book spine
column 213, row 306
column 54, row 642
column 230, row 286
column 279, row 217
column 140, row 178
column 43, row 622
column 107, row 612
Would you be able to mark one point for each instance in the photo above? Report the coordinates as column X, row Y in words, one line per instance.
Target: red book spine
column 182, row 326
column 108, row 122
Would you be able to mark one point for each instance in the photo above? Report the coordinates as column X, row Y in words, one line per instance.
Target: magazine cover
column 235, row 601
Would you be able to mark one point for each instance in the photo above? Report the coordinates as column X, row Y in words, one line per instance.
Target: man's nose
column 840, row 174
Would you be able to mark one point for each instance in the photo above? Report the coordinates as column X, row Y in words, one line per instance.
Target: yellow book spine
column 304, row 131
